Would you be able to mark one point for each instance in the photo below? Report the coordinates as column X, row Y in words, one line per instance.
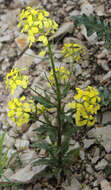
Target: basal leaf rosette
column 15, row 79
column 38, row 24
column 86, row 103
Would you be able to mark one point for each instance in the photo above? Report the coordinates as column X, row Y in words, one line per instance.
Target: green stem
column 58, row 102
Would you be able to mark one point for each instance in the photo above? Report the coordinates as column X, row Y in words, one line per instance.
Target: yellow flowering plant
column 15, row 79
column 87, row 103
column 39, row 26
column 62, row 74
column 73, row 50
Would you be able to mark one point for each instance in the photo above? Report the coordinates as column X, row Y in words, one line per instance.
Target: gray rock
column 103, row 64
column 37, row 59
column 106, row 118
column 6, row 174
column 96, row 156
column 103, row 135
column 65, row 28
column 6, row 38
column 9, row 141
column 39, row 84
column 105, row 185
column 30, row 135
column 74, row 13
column 89, row 169
column 95, row 159
column 27, row 157
column 91, row 39
column 75, row 185
column 101, row 165
column 21, row 144
column 87, row 188
column 82, row 155
column 26, row 60
column 77, row 69
column 25, row 175
column 86, row 8
column 100, row 10
column 21, row 41
column 88, row 143
column 106, row 77
column 10, row 17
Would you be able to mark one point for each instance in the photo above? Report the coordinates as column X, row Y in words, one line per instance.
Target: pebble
column 21, row 144
column 88, row 143
column 75, row 185
column 105, row 185
column 101, row 165
column 6, row 38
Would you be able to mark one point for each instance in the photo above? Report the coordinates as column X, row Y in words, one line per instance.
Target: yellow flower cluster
column 72, row 50
column 86, row 105
column 40, row 108
column 19, row 111
column 15, row 79
column 62, row 74
column 38, row 24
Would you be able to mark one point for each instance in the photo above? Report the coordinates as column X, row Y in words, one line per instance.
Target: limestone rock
column 103, row 135
column 88, row 143
column 28, row 156
column 65, row 28
column 101, row 165
column 105, row 185
column 75, row 185
column 86, row 8
column 8, row 172
column 106, row 77
column 26, row 60
column 21, row 41
column 21, row 144
column 25, row 175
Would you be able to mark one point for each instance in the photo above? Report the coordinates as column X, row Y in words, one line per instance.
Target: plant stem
column 58, row 93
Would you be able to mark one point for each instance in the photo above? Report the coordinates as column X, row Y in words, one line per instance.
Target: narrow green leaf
column 45, row 102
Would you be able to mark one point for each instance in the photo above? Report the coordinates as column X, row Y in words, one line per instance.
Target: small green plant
column 108, row 169
column 98, row 25
column 105, row 94
column 3, row 157
column 39, row 26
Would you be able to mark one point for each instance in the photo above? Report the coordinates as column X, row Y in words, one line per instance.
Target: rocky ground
column 95, row 155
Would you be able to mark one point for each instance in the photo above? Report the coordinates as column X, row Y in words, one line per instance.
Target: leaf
column 57, row 172
column 93, row 24
column 72, row 155
column 46, row 146
column 46, row 129
column 45, row 161
column 1, row 144
column 108, row 169
column 4, row 158
column 45, row 102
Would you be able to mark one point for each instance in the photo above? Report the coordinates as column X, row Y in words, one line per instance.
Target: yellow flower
column 72, row 105
column 38, row 24
column 40, row 108
column 86, row 105
column 72, row 50
column 62, row 74
column 19, row 111
column 15, row 79
column 42, row 53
